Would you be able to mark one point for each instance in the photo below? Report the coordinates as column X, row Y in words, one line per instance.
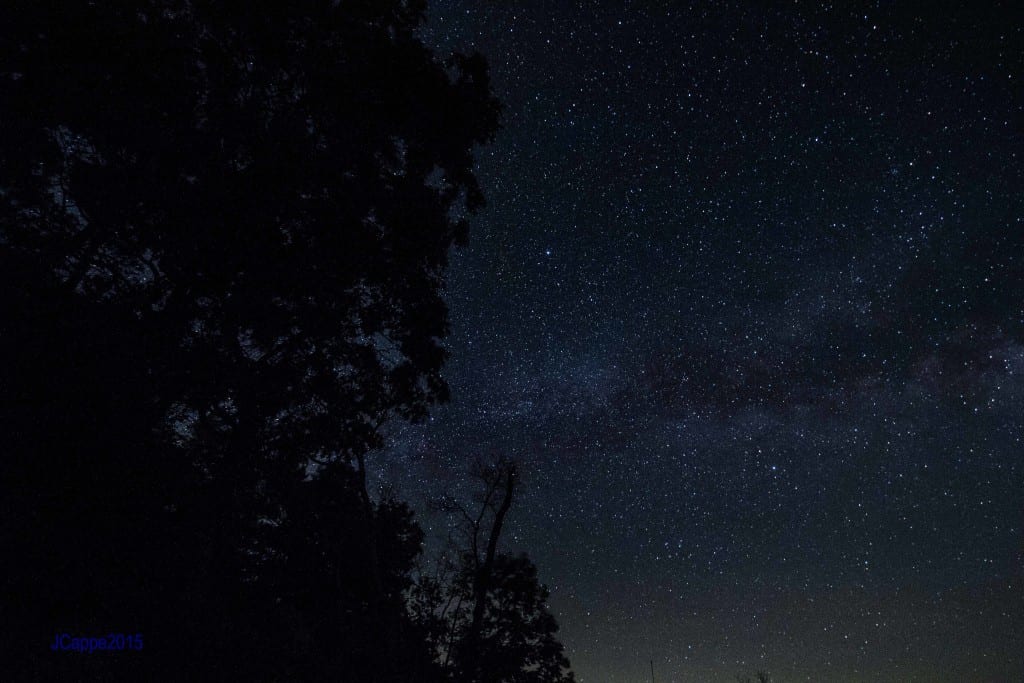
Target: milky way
column 746, row 303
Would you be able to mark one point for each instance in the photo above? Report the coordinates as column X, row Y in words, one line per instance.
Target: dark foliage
column 486, row 617
column 223, row 231
column 518, row 641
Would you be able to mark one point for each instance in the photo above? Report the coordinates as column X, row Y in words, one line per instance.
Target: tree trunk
column 482, row 580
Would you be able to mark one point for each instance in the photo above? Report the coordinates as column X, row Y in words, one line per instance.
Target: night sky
column 747, row 304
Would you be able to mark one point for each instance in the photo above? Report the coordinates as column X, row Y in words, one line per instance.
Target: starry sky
column 747, row 305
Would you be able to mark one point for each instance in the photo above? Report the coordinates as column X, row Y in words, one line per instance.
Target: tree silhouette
column 487, row 616
column 222, row 236
column 517, row 640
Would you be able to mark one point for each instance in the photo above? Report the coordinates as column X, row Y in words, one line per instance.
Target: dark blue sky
column 746, row 302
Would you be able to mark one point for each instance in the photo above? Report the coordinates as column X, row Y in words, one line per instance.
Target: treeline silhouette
column 223, row 232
